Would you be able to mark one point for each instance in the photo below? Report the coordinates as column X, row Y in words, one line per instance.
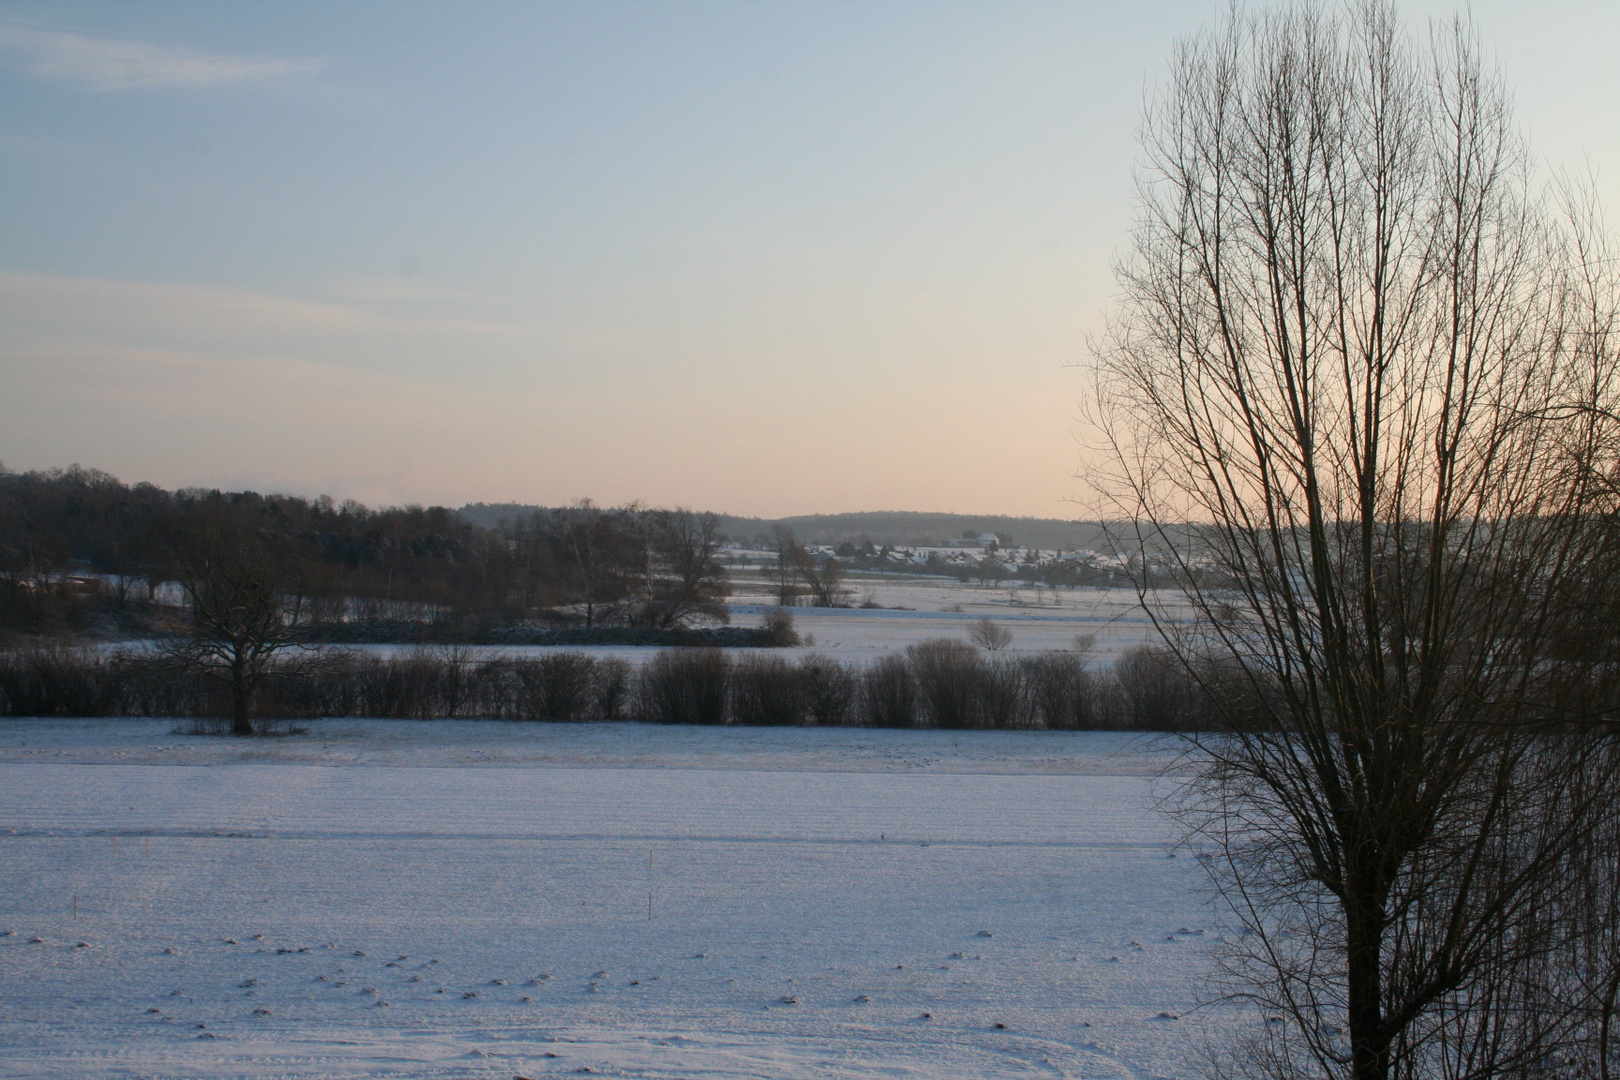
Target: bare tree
column 785, row 571
column 1350, row 402
column 990, row 635
column 684, row 579
column 825, row 579
column 598, row 554
column 243, row 614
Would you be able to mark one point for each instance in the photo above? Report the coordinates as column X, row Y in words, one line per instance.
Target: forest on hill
column 900, row 528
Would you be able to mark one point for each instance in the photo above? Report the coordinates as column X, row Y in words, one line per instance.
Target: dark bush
column 829, row 690
column 1003, row 694
column 1060, row 691
column 1156, row 691
column 58, row 680
column 778, row 629
column 612, row 688
column 950, row 679
column 766, row 691
column 559, row 686
column 686, row 686
column 889, row 694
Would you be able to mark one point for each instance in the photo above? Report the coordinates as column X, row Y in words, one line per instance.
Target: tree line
column 342, row 561
column 942, row 683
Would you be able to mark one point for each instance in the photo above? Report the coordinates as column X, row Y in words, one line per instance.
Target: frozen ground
column 823, row 904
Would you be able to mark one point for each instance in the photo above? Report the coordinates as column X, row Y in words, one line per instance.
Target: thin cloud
column 111, row 65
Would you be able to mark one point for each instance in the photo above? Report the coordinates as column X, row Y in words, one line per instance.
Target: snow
column 829, row 903
column 1038, row 618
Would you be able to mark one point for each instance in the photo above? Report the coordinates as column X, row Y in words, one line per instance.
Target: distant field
column 1038, row 618
column 914, row 611
column 824, row 904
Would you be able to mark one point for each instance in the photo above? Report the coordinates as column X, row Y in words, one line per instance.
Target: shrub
column 766, row 690
column 611, row 687
column 778, row 629
column 558, row 686
column 1003, row 697
column 1060, row 690
column 990, row 635
column 829, row 690
column 686, row 686
column 889, row 694
column 1156, row 691
column 949, row 676
column 57, row 680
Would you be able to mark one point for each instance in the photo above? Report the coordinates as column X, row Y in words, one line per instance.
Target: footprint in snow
column 984, row 933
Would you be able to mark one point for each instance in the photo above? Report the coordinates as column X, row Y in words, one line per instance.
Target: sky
column 763, row 258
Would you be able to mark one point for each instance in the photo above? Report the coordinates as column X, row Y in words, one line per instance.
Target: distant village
column 983, row 557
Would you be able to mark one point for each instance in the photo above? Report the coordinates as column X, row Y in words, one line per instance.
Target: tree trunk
column 1369, row 1043
column 241, row 698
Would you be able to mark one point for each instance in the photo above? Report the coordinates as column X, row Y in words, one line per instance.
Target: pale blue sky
column 765, row 258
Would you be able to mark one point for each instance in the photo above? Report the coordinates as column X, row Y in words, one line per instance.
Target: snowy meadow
column 445, row 899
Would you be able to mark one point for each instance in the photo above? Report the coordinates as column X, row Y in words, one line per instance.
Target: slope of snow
column 822, row 904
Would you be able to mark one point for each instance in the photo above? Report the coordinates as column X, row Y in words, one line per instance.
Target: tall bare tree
column 1352, row 399
column 824, row 577
column 685, row 580
column 598, row 554
column 785, row 572
column 243, row 611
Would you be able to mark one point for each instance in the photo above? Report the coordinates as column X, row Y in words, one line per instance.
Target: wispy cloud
column 109, row 64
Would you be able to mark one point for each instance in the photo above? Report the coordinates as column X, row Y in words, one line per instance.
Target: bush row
column 934, row 684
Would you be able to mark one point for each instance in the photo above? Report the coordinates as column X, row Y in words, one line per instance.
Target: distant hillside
column 904, row 527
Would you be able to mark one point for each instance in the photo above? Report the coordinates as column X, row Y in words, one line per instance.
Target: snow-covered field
column 501, row 900
column 917, row 610
column 913, row 611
